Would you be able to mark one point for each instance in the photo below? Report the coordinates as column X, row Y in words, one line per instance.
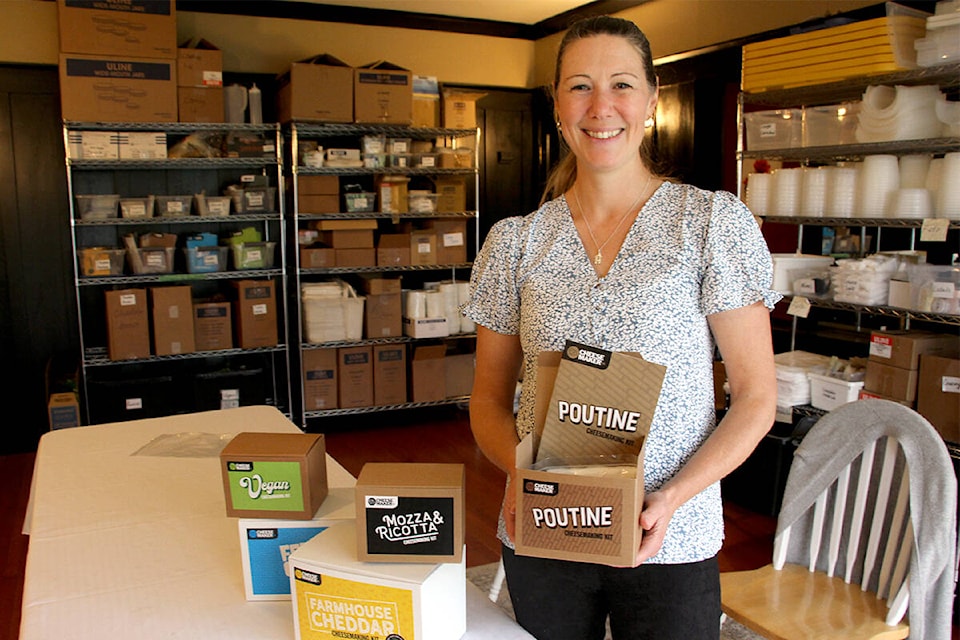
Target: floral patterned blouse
column 689, row 253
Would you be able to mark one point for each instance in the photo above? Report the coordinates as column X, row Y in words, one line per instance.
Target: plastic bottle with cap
column 255, row 105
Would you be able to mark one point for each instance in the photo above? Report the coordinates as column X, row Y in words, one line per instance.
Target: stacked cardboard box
column 200, row 82
column 894, row 362
column 118, row 61
column 351, row 240
column 938, row 395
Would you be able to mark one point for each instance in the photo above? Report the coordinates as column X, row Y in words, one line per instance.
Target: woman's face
column 602, row 100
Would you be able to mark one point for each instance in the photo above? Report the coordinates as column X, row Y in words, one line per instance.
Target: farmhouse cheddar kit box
column 336, row 595
column 274, row 475
column 410, row 512
column 580, row 478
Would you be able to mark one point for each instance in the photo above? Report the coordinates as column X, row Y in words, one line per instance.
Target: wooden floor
column 436, row 435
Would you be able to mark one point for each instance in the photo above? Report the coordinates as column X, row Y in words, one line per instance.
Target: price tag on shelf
column 934, row 230
column 799, row 307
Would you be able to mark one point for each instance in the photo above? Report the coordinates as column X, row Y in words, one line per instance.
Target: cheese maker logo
column 541, row 488
column 590, row 356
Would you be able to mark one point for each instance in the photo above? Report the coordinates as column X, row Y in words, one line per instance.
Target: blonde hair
column 564, row 173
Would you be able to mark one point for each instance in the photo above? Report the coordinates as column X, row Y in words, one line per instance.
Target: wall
column 268, row 45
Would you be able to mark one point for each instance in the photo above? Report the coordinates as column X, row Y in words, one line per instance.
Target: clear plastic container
column 98, row 207
column 258, row 200
column 137, row 207
column 774, row 129
column 151, row 260
column 206, row 259
column 101, row 261
column 253, row 255
column 360, row 202
column 422, row 202
column 831, row 124
column 212, row 205
column 174, row 205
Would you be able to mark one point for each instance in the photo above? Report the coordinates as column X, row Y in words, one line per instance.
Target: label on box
column 270, row 550
column 265, row 485
column 133, row 404
column 213, row 78
column 453, row 239
column 768, row 130
column 881, row 347
column 332, row 607
column 590, row 518
column 949, row 384
column 409, row 525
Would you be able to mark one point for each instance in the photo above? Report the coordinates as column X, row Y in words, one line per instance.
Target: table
column 126, row 545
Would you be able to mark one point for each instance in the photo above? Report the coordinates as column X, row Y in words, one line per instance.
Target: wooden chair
column 868, row 517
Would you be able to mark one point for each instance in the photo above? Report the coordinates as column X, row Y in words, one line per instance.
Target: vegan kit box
column 266, row 544
column 336, row 595
column 274, row 475
column 410, row 512
column 580, row 478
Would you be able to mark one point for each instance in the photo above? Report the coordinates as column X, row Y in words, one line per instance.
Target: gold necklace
column 597, row 259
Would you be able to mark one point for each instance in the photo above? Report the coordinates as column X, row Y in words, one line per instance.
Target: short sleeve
column 738, row 269
column 494, row 300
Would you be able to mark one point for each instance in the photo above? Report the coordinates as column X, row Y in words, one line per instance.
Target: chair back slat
column 898, row 583
column 884, row 486
column 894, row 538
column 836, row 528
column 816, row 534
column 860, row 503
column 897, row 608
column 781, row 542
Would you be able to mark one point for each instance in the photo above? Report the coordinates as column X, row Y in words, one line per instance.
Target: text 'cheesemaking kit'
column 580, row 473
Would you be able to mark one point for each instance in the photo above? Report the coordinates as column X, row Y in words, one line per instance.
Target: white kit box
column 266, row 545
column 335, row 595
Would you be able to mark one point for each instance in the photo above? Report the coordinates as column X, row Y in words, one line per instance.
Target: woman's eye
column 579, row 87
column 623, row 85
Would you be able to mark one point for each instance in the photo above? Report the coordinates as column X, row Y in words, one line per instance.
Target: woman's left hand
column 654, row 520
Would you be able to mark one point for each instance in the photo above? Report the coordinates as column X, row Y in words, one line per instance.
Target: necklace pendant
column 597, row 259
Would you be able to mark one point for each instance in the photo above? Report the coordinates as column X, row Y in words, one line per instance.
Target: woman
column 620, row 259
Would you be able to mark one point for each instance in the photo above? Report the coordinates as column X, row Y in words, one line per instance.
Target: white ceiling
column 527, row 12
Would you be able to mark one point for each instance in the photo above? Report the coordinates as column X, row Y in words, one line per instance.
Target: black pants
column 559, row 600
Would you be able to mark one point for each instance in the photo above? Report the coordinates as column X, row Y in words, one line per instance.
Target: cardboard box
column 938, row 395
column 426, row 327
column 383, row 94
column 317, row 257
column 355, row 376
column 594, row 405
column 360, row 236
column 377, row 284
column 866, row 395
column 393, row 250
column 256, row 314
column 173, row 332
column 318, row 185
column 317, row 89
column 392, row 194
column 459, row 369
column 357, row 257
column 893, row 382
column 93, row 145
column 63, row 410
column 139, row 28
column 427, row 369
column 266, row 545
column 128, row 324
column 200, row 104
column 274, row 475
column 426, row 111
column 212, row 326
column 423, row 247
column 319, row 379
column 200, row 65
column 335, row 594
column 318, row 203
column 903, row 349
column 451, row 194
column 389, row 374
column 410, row 512
column 382, row 315
column 112, row 89
column 460, row 109
column 451, row 240
column 144, row 145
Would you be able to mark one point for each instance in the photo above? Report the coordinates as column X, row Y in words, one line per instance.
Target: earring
column 559, row 126
column 648, row 122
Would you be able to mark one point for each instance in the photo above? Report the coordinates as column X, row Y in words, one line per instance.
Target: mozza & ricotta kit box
column 267, row 544
column 410, row 512
column 580, row 477
column 336, row 595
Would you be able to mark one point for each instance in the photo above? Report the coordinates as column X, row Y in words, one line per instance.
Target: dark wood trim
column 296, row 10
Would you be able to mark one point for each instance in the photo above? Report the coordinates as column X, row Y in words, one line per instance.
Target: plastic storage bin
column 98, row 207
column 137, row 207
column 332, row 312
column 828, row 393
column 212, row 205
column 785, row 266
column 829, row 125
column 774, row 129
column 206, row 259
column 151, row 260
column 253, row 255
column 174, row 205
column 359, row 202
column 258, row 200
column 101, row 261
column 422, row 202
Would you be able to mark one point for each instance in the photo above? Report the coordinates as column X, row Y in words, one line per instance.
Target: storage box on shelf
column 377, row 200
column 151, row 220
